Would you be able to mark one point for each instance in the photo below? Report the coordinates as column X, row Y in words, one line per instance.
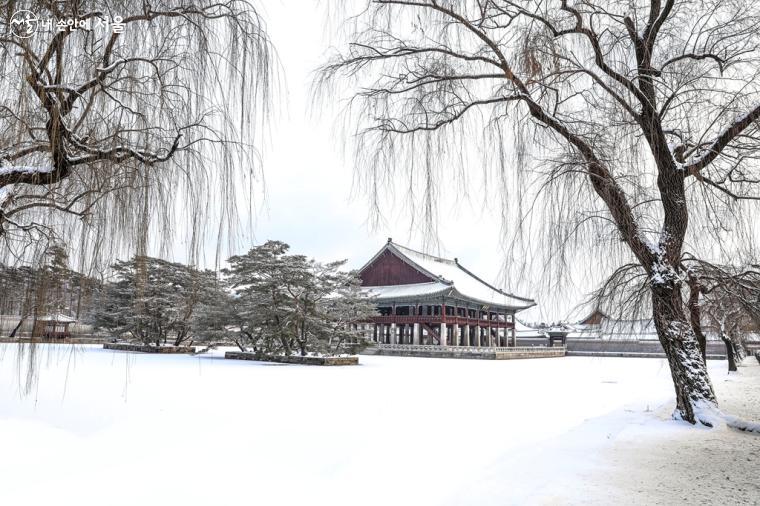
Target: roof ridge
column 426, row 255
column 405, row 252
column 493, row 287
column 404, row 255
column 455, row 262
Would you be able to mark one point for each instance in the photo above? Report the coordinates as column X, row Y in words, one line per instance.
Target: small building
column 428, row 300
column 542, row 334
column 598, row 325
column 52, row 326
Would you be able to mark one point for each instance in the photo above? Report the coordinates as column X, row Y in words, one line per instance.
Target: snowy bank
column 124, row 429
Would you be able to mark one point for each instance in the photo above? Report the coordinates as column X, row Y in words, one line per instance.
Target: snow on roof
column 60, row 318
column 452, row 274
column 411, row 290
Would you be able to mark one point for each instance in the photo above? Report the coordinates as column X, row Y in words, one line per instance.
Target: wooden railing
column 466, row 349
column 438, row 319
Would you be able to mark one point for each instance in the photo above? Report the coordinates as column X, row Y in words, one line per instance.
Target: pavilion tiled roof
column 451, row 279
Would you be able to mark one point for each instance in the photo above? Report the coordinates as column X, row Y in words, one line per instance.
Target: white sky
column 309, row 202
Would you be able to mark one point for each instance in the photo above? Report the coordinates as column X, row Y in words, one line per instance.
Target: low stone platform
column 466, row 352
column 144, row 348
column 292, row 359
column 629, row 354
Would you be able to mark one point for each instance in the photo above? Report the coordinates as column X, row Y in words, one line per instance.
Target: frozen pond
column 102, row 427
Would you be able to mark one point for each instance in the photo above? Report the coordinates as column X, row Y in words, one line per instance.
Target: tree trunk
column 181, row 337
column 694, row 391
column 15, row 329
column 695, row 316
column 740, row 351
column 729, row 352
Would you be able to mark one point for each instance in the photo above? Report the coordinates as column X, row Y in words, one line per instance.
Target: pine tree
column 288, row 303
column 152, row 300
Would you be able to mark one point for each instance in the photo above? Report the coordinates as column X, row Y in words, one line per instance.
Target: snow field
column 103, row 427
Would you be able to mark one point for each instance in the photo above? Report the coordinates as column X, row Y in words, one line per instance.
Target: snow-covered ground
column 102, row 427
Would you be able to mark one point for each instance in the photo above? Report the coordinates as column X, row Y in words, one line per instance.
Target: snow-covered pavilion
column 53, row 326
column 425, row 299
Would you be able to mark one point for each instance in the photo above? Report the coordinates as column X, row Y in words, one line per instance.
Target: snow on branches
column 266, row 300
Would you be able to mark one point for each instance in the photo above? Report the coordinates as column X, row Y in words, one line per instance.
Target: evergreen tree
column 288, row 303
column 152, row 300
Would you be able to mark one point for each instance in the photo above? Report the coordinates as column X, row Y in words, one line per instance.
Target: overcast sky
column 310, row 202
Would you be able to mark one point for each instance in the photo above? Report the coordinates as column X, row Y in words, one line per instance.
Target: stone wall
column 143, row 348
column 649, row 348
column 292, row 359
column 621, row 348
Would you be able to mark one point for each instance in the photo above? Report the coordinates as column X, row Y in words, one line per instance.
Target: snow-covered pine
column 152, row 301
column 287, row 303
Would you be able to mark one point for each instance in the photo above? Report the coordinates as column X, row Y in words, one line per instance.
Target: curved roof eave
column 403, row 253
column 391, row 298
column 492, row 303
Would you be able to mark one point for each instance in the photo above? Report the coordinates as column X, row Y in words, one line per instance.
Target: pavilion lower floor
column 500, row 334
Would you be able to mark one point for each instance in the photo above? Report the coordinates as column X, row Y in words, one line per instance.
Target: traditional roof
column 410, row 290
column 446, row 277
column 59, row 318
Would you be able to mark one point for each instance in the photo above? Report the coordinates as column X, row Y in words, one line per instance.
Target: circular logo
column 24, row 24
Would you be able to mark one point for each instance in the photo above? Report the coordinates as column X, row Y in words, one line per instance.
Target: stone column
column 416, row 333
column 477, row 335
column 443, row 334
column 455, row 334
column 392, row 337
column 466, row 335
column 514, row 337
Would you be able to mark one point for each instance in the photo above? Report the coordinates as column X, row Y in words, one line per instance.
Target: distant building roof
column 60, row 318
column 441, row 276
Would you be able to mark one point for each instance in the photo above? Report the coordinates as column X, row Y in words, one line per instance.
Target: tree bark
column 15, row 329
column 695, row 316
column 694, row 391
column 730, row 355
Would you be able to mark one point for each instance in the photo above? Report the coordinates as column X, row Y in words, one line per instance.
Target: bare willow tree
column 633, row 116
column 730, row 305
column 723, row 300
column 124, row 115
